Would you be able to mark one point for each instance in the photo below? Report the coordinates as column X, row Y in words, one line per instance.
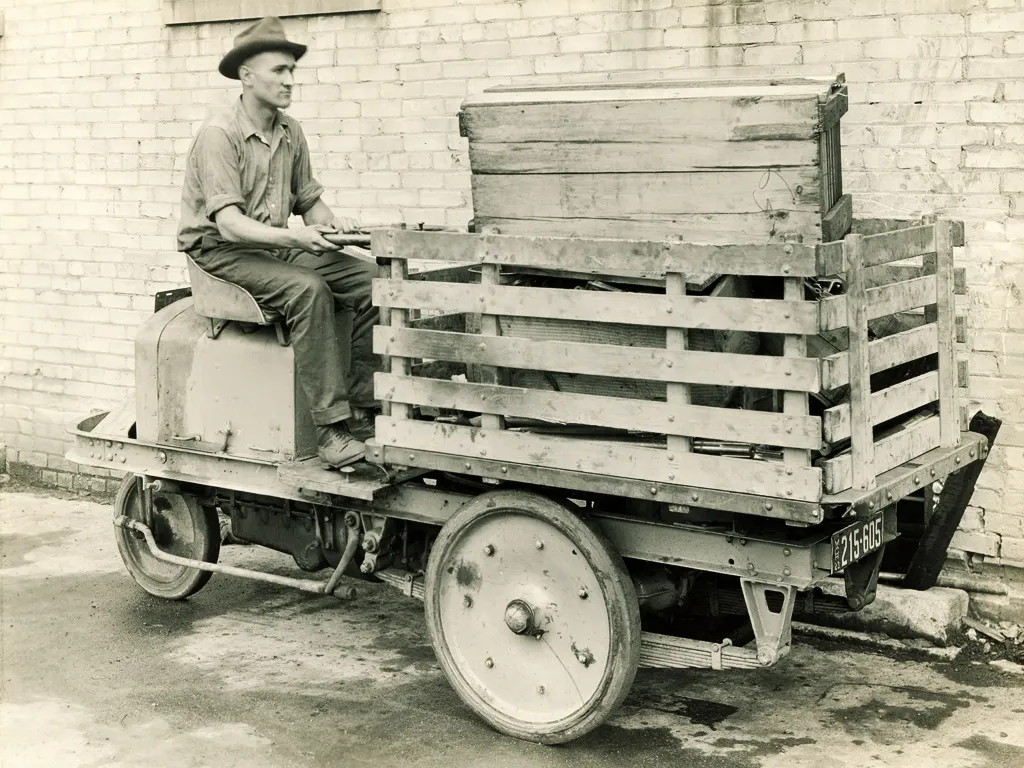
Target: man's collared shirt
column 231, row 163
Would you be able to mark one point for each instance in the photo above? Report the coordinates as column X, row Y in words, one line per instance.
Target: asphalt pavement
column 96, row 673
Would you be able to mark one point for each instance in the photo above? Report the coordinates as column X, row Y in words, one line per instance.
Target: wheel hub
column 519, row 617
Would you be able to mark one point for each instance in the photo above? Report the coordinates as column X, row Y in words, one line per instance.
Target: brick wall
column 100, row 101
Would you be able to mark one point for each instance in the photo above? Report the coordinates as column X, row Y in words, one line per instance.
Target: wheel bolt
column 489, row 550
column 540, row 544
column 583, row 593
column 489, row 663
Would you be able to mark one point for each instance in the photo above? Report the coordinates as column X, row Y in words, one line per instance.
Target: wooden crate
column 720, row 161
column 668, row 469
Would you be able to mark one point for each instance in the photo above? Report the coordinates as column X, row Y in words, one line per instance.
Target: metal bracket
column 862, row 580
column 772, row 629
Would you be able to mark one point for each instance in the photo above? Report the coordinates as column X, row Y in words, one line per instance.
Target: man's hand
column 345, row 225
column 311, row 239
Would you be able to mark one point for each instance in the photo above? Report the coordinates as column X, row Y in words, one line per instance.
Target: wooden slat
column 399, row 319
column 601, row 306
column 675, row 341
column 882, row 354
column 659, row 119
column 856, row 300
column 885, row 404
column 761, row 478
column 715, row 229
column 949, row 407
column 490, row 279
column 884, row 300
column 901, row 244
column 599, row 255
column 896, row 273
column 621, row 195
column 759, row 428
column 889, row 453
column 836, row 223
column 876, row 226
column 603, row 360
column 635, row 157
column 794, row 404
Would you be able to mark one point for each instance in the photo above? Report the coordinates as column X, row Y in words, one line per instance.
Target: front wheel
column 532, row 615
column 180, row 526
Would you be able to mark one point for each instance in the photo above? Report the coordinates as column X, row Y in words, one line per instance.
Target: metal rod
column 316, row 587
column 351, row 542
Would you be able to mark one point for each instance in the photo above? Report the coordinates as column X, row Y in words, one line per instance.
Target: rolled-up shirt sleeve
column 216, row 161
column 305, row 188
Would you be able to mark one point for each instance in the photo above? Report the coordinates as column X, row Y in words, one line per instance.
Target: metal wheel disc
column 532, row 615
column 180, row 527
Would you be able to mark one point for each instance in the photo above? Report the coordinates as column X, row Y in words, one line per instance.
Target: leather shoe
column 337, row 447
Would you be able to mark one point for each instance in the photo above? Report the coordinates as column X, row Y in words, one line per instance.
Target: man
column 248, row 169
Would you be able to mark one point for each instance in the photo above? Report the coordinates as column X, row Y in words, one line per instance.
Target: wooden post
column 675, row 340
column 794, row 403
column 490, row 274
column 862, row 444
column 400, row 366
column 949, row 406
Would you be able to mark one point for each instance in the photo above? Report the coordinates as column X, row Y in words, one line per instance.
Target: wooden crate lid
column 818, row 88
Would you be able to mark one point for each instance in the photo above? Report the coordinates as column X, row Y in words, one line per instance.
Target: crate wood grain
column 598, row 255
column 887, row 453
column 883, row 354
column 762, row 478
column 752, row 427
column 683, row 367
column 624, row 195
column 670, row 311
column 717, row 229
column 886, row 404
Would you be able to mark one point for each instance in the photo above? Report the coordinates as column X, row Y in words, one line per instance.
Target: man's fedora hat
column 265, row 35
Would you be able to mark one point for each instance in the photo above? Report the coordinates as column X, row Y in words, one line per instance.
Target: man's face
column 269, row 76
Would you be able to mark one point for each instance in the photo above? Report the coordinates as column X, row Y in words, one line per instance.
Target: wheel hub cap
column 519, row 617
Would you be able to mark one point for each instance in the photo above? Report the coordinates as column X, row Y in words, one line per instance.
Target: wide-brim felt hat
column 265, row 35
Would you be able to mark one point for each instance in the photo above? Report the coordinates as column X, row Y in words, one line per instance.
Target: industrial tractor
column 665, row 393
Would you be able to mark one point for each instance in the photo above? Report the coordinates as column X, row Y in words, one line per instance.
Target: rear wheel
column 180, row 526
column 532, row 615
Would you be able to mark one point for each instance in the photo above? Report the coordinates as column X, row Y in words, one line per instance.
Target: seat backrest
column 220, row 300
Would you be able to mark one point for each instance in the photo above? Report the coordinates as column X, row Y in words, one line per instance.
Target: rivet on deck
column 489, row 663
column 957, row 459
column 787, row 571
column 504, row 469
column 787, row 552
column 654, row 491
column 539, row 544
column 768, row 506
column 888, row 495
column 917, row 480
column 467, row 601
column 583, row 593
column 489, row 550
column 971, row 453
column 695, row 497
column 871, row 505
column 468, row 465
column 932, row 472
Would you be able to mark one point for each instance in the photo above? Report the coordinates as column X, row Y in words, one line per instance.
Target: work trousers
column 307, row 289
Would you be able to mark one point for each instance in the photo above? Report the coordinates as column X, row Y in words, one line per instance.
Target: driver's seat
column 221, row 302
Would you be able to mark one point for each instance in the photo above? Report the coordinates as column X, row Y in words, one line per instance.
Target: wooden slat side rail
column 637, row 157
column 882, row 354
column 885, row 404
column 624, row 195
column 949, row 405
column 671, row 311
column 856, row 299
column 715, row 229
column 686, row 367
column 889, row 453
column 600, row 254
column 896, row 273
column 677, row 395
column 401, row 365
column 754, row 427
column 901, row 244
column 654, row 465
column 836, row 223
column 881, row 301
column 877, row 226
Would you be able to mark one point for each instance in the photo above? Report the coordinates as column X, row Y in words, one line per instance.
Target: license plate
column 855, row 541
